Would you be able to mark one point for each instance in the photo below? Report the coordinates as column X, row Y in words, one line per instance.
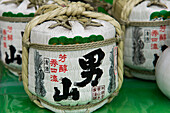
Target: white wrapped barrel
column 74, row 77
column 14, row 15
column 11, row 33
column 144, row 44
column 62, row 72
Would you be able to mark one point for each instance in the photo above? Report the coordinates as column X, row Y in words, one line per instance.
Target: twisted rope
column 75, row 47
column 82, row 7
column 15, row 19
column 76, row 9
column 64, row 20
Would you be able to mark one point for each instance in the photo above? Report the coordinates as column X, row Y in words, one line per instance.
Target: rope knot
column 72, row 9
column 77, row 8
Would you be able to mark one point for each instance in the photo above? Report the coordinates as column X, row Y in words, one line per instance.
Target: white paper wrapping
column 41, row 33
column 11, row 43
column 55, row 69
column 144, row 45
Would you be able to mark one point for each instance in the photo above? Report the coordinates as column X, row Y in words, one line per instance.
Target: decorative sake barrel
column 147, row 33
column 72, row 59
column 14, row 15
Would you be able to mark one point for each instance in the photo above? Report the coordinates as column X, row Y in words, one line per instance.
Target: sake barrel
column 14, row 15
column 72, row 59
column 147, row 32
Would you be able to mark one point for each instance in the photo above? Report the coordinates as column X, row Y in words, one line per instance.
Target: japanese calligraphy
column 12, row 56
column 53, row 62
column 98, row 92
column 9, row 29
column 39, row 75
column 53, row 70
column 62, row 57
column 63, row 68
column 54, row 78
column 113, row 70
column 162, row 28
column 5, row 45
column 147, row 35
column 10, row 37
column 154, row 46
column 90, row 66
column 55, row 65
column 46, row 65
column 162, row 37
column 138, row 46
column 154, row 33
column 74, row 93
column 4, row 32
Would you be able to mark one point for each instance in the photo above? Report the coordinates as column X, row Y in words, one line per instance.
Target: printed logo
column 98, row 92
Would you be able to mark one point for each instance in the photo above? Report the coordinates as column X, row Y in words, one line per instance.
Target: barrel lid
column 13, row 10
column 18, row 8
column 136, row 10
column 143, row 13
column 77, row 34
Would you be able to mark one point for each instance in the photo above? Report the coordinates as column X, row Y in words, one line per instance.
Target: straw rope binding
column 15, row 19
column 73, row 9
